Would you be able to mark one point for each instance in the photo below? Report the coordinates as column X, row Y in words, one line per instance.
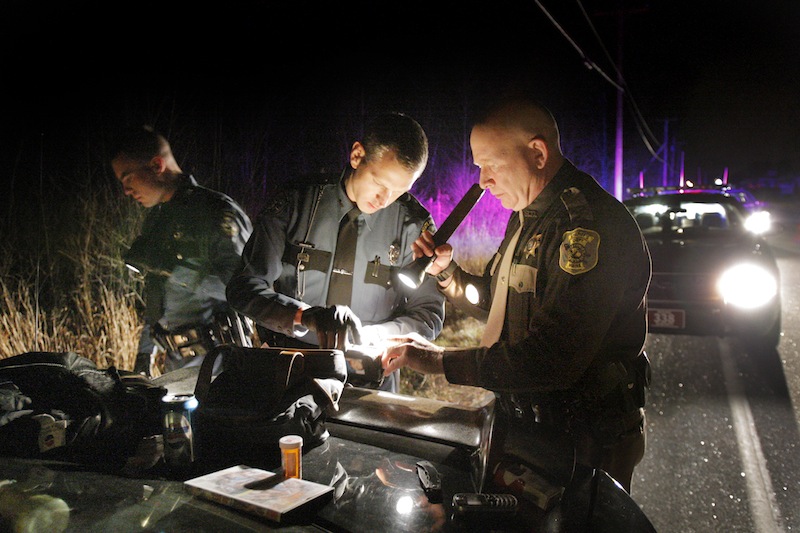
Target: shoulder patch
column 229, row 225
column 414, row 208
column 579, row 251
column 278, row 201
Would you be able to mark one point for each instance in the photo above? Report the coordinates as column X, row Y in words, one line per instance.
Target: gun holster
column 229, row 327
column 186, row 341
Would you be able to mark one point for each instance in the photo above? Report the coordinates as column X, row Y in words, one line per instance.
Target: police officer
column 295, row 278
column 190, row 244
column 565, row 351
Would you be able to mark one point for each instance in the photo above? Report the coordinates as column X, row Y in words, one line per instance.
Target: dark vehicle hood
column 695, row 255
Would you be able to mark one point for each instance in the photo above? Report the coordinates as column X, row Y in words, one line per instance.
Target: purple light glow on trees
column 481, row 232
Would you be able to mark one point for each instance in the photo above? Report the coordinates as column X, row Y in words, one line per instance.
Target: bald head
column 526, row 117
column 517, row 147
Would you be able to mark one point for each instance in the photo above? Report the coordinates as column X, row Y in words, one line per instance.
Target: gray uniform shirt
column 189, row 247
column 269, row 287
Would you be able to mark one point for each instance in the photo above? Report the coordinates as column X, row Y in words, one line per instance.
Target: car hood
column 706, row 255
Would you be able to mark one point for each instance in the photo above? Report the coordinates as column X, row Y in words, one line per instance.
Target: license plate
column 666, row 318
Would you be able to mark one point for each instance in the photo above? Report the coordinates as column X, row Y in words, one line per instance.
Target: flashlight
column 413, row 274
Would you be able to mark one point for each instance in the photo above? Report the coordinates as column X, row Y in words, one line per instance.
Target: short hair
column 141, row 143
column 400, row 133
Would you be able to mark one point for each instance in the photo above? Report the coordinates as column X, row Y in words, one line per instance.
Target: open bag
column 60, row 405
column 261, row 395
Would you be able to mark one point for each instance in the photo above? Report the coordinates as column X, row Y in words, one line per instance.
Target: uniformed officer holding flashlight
column 320, row 266
column 565, row 311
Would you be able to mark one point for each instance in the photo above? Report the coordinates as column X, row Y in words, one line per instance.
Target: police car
column 713, row 271
column 747, row 198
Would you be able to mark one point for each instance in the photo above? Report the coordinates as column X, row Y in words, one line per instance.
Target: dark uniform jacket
column 188, row 250
column 269, row 287
column 579, row 276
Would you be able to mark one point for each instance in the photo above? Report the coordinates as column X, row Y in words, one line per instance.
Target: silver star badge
column 394, row 254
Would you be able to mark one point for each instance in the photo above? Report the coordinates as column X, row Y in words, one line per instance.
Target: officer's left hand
column 414, row 352
column 332, row 325
column 423, row 245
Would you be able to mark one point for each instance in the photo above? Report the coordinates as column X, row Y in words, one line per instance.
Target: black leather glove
column 332, row 325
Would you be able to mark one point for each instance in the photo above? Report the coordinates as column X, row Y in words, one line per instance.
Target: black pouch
column 262, row 395
column 643, row 378
column 77, row 411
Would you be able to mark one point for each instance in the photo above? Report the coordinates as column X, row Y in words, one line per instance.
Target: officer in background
column 318, row 270
column 190, row 244
column 564, row 354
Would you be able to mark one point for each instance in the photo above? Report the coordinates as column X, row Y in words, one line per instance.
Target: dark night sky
column 726, row 76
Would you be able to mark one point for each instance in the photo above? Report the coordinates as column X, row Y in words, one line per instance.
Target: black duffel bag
column 261, row 395
column 60, row 405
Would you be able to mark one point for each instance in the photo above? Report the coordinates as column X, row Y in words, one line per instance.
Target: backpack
column 261, row 395
column 60, row 405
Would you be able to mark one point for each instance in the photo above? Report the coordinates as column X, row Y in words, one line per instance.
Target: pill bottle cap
column 290, row 442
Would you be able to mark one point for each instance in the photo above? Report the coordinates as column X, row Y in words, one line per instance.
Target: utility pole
column 664, row 156
column 618, row 151
column 620, row 13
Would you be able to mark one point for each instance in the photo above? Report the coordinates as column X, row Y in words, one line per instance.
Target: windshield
column 685, row 215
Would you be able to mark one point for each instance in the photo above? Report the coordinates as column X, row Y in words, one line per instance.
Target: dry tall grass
column 63, row 285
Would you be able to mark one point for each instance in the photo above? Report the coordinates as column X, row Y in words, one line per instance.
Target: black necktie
column 340, row 287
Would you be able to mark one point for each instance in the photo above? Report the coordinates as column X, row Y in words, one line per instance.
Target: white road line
column 760, row 495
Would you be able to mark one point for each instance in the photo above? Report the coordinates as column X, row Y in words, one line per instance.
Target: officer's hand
column 332, row 325
column 414, row 352
column 424, row 245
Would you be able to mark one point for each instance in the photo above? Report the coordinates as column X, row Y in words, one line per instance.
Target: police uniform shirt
column 578, row 283
column 269, row 285
column 190, row 247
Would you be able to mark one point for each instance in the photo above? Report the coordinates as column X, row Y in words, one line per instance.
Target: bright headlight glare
column 471, row 293
column 747, row 286
column 758, row 222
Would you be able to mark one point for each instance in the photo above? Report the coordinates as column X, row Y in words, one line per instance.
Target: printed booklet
column 256, row 491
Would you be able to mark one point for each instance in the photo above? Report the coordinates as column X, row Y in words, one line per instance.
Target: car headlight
column 758, row 222
column 747, row 286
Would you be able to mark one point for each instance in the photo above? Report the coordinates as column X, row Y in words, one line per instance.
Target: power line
column 640, row 121
column 591, row 65
column 641, row 124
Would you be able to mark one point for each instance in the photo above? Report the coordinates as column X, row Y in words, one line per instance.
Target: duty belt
column 187, row 341
column 572, row 416
column 198, row 339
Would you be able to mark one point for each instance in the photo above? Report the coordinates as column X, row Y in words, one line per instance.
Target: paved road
column 723, row 441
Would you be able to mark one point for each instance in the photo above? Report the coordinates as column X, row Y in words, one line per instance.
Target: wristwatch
column 447, row 272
